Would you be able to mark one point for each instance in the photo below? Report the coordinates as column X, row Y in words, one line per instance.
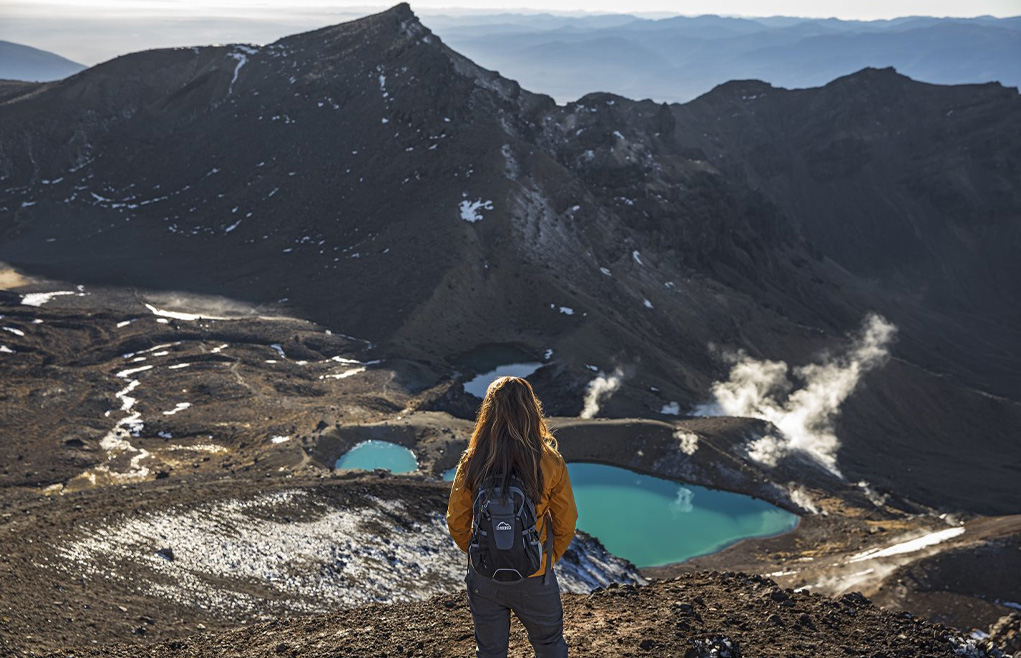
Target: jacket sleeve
column 459, row 510
column 565, row 513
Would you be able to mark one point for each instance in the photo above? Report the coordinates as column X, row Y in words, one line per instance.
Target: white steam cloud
column 688, row 441
column 874, row 496
column 804, row 416
column 598, row 390
column 803, row 499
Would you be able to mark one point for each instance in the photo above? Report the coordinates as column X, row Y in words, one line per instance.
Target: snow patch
column 198, row 447
column 180, row 315
column 123, row 374
column 331, row 556
column 241, row 54
column 180, row 406
column 345, row 374
column 909, row 546
column 471, row 211
column 40, row 298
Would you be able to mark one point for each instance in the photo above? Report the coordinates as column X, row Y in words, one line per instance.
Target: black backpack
column 505, row 542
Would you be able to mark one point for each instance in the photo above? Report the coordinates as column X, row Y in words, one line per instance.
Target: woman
column 511, row 435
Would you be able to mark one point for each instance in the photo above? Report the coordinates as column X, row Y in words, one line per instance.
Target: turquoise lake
column 378, row 454
column 652, row 521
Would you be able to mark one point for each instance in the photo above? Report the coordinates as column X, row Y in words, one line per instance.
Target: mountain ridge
column 678, row 59
column 367, row 177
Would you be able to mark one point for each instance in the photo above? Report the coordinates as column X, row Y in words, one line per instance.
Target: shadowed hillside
column 369, row 178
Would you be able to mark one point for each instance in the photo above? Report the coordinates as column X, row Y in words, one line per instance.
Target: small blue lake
column 373, row 454
column 495, row 361
column 652, row 521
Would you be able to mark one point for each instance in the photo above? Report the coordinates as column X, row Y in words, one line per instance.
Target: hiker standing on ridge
column 512, row 510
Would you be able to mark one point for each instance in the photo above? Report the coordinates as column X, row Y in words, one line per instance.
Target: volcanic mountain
column 368, row 178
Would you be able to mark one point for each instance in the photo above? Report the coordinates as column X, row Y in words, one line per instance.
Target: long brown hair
column 510, row 433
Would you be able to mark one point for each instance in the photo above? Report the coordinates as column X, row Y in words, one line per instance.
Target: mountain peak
column 395, row 22
column 873, row 74
column 401, row 10
column 738, row 90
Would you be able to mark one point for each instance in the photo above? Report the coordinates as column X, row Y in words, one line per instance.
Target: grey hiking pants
column 535, row 604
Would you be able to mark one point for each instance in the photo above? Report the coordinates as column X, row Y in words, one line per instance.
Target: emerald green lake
column 378, row 454
column 652, row 521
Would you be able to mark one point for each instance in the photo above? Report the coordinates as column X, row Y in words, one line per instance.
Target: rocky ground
column 212, row 552
column 171, row 475
column 709, row 614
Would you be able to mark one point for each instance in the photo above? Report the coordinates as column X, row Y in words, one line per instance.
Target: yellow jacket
column 557, row 497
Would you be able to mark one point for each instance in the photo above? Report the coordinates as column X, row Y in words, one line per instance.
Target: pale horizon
column 841, row 9
column 93, row 31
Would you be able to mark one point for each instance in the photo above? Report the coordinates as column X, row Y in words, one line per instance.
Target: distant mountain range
column 671, row 59
column 386, row 186
column 18, row 62
column 676, row 59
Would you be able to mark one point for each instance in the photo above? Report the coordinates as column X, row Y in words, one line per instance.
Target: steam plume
column 804, row 416
column 598, row 390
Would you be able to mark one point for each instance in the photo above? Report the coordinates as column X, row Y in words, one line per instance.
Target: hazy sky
column 861, row 9
column 91, row 31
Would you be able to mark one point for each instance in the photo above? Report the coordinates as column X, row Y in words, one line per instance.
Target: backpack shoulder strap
column 549, row 547
column 479, row 503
